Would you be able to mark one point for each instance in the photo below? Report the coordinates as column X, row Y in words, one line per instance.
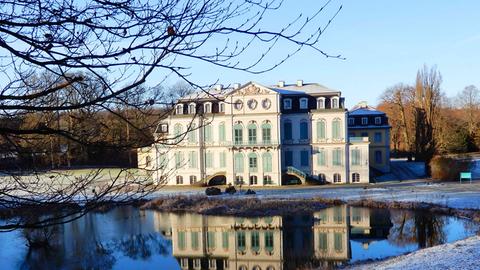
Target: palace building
column 259, row 135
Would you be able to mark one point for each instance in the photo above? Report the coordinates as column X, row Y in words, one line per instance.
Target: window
column 184, row 263
column 238, row 162
column 221, row 132
column 177, row 133
column 304, row 103
column 287, row 104
column 287, row 126
column 179, row 179
column 321, row 177
column 288, row 158
column 196, row 263
column 223, row 159
column 267, row 162
column 355, row 156
column 164, row 128
column 253, row 180
column 192, row 160
column 269, row 241
column 181, row 240
column 338, row 242
column 351, row 121
column 178, row 160
column 207, row 107
column 192, row 134
column 320, row 130
column 335, row 103
column 252, row 104
column 252, row 162
column 225, row 240
column 212, row 264
column 211, row 240
column 241, row 243
column 148, row 161
column 378, row 137
column 355, row 177
column 378, row 156
column 304, row 130
column 194, row 236
column 209, row 160
column 192, row 108
column 193, row 179
column 337, row 178
column 322, row 241
column 267, row 180
column 321, row 103
column 337, row 157
column 179, row 109
column 238, row 134
column 304, row 158
column 252, row 134
column 239, row 180
column 321, row 158
column 221, row 107
column 336, row 129
column 207, row 133
column 266, row 133
column 364, row 121
column 378, row 120
column 255, row 240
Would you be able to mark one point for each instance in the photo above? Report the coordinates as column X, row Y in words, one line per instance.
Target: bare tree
column 469, row 101
column 427, row 105
column 70, row 68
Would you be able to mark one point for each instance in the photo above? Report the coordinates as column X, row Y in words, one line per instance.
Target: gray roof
column 306, row 88
column 364, row 111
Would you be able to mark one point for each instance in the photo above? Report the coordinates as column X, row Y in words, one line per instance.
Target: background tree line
column 426, row 122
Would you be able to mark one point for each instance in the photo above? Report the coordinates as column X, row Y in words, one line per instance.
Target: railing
column 358, row 139
column 293, row 170
column 252, row 143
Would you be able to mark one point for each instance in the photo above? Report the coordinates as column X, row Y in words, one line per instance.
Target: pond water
column 129, row 238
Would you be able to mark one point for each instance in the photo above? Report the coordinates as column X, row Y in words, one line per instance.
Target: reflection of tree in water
column 142, row 246
column 420, row 227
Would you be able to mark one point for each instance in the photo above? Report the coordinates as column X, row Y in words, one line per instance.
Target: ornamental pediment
column 252, row 90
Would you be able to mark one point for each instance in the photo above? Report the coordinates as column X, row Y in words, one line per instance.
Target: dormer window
column 207, row 107
column 192, row 108
column 179, row 109
column 287, row 104
column 221, row 107
column 351, row 121
column 364, row 121
column 335, row 104
column 378, row 120
column 164, row 128
column 321, row 103
column 304, row 103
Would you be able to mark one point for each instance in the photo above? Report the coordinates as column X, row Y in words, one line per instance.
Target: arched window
column 267, row 162
column 221, row 132
column 221, row 106
column 321, row 129
column 192, row 134
column 207, row 107
column 252, row 162
column 320, row 103
column 335, row 102
column 304, row 103
column 252, row 133
column 179, row 109
column 192, row 108
column 193, row 179
column 179, row 180
column 238, row 133
column 337, row 178
column 238, row 162
column 355, row 177
column 177, row 132
column 287, row 130
column 336, row 129
column 267, row 180
column 148, row 161
column 239, row 180
column 266, row 133
column 321, row 177
column 304, row 130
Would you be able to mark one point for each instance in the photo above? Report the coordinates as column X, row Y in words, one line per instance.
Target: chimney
column 218, row 87
column 299, row 82
column 236, row 85
column 281, row 84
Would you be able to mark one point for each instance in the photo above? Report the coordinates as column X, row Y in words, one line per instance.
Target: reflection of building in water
column 210, row 242
column 160, row 224
column 272, row 243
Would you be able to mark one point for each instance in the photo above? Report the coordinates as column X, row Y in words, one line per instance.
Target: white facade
column 258, row 135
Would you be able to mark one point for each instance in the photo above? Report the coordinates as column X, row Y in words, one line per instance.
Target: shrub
column 448, row 168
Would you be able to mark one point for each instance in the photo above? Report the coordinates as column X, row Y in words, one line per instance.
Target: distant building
column 258, row 135
column 366, row 121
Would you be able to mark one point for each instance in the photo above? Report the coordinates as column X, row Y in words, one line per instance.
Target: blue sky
column 384, row 42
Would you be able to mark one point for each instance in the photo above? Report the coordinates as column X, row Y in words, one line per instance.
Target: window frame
column 289, row 102
column 303, row 103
